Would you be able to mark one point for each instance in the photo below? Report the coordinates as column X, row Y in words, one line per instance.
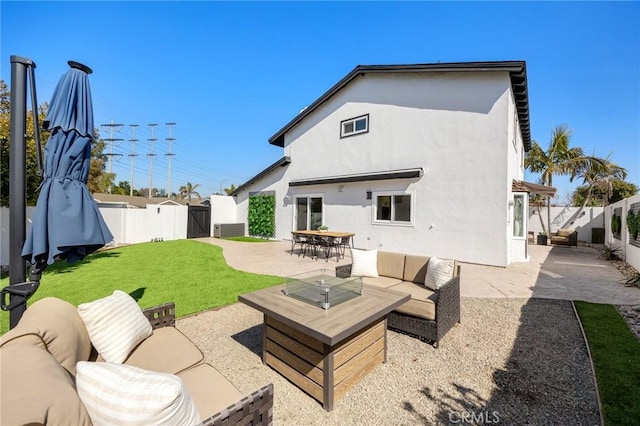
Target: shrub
column 610, row 253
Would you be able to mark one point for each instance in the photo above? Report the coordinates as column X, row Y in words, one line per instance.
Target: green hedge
column 262, row 215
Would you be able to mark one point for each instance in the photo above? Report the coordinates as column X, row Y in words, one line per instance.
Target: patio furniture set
column 327, row 350
column 327, row 243
column 52, row 372
column 108, row 361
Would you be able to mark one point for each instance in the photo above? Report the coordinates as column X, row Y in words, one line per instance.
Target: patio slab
column 567, row 273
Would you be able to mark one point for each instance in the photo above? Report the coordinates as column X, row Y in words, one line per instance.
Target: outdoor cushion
column 115, row 324
column 125, row 395
column 364, row 263
column 381, row 281
column 415, row 268
column 211, row 392
column 36, row 389
column 390, row 264
column 422, row 303
column 53, row 325
column 167, row 350
column 439, row 271
column 565, row 232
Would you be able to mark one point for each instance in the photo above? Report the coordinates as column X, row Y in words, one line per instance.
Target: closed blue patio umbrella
column 67, row 223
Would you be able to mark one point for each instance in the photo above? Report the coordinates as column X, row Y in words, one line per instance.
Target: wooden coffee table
column 324, row 352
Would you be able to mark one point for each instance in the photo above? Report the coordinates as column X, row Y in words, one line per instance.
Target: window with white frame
column 354, row 126
column 395, row 208
column 308, row 212
column 518, row 215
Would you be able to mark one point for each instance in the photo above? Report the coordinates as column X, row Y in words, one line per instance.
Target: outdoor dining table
column 332, row 235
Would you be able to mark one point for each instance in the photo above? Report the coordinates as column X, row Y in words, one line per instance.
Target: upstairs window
column 354, row 126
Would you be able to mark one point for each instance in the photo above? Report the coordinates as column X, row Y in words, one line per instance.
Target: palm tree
column 598, row 174
column 188, row 190
column 558, row 159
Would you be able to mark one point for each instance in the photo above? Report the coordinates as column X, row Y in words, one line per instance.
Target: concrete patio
column 567, row 273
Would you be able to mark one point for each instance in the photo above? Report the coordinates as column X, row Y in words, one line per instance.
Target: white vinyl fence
column 618, row 236
column 128, row 225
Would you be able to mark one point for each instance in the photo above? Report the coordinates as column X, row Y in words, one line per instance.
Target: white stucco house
column 423, row 159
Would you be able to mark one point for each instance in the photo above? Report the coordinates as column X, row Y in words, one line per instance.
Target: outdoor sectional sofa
column 41, row 370
column 565, row 237
column 430, row 314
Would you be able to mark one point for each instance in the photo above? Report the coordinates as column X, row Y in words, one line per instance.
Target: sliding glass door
column 308, row 213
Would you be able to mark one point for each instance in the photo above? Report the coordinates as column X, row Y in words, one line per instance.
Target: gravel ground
column 510, row 361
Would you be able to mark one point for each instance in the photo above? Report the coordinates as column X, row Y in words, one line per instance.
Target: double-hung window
column 354, row 126
column 393, row 208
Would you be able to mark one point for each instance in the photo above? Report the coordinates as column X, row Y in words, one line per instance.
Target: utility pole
column 112, row 128
column 170, row 139
column 150, row 155
column 133, row 155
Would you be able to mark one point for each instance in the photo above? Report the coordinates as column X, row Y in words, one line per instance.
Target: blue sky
column 231, row 74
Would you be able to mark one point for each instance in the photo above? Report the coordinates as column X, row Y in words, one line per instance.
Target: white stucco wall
column 630, row 253
column 561, row 217
column 223, row 210
column 456, row 126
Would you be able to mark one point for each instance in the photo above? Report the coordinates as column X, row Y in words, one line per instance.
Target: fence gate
column 199, row 222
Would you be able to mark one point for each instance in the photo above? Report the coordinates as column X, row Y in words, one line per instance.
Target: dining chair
column 300, row 240
column 343, row 244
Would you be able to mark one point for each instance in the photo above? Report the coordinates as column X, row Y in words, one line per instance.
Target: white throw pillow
column 115, row 325
column 365, row 263
column 439, row 271
column 119, row 394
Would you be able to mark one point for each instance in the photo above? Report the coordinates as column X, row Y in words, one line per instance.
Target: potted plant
column 542, row 239
column 323, row 228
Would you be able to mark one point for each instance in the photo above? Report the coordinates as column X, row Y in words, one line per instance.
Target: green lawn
column 192, row 274
column 616, row 357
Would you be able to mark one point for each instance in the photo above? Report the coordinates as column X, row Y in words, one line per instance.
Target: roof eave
column 516, row 69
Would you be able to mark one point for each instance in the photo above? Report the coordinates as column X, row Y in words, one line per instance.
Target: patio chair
column 300, row 240
column 342, row 246
column 314, row 244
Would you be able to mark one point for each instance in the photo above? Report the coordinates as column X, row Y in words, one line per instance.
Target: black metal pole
column 17, row 178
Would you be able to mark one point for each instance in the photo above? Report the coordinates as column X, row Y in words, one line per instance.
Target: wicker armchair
column 255, row 409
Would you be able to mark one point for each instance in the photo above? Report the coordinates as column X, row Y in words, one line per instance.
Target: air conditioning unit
column 224, row 230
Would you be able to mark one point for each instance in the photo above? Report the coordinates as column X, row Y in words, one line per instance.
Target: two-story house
column 424, row 159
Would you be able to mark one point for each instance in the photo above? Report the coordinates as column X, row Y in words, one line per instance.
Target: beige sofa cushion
column 565, row 232
column 390, row 264
column 167, row 350
column 415, row 268
column 381, row 281
column 422, row 303
column 35, row 389
column 54, row 325
column 210, row 390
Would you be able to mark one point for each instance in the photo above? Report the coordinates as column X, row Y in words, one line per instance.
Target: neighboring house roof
column 137, row 201
column 280, row 163
column 522, row 186
column 516, row 69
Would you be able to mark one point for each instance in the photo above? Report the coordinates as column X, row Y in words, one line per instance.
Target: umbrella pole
column 18, row 291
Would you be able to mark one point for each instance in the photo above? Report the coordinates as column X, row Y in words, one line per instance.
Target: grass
column 192, row 274
column 616, row 357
